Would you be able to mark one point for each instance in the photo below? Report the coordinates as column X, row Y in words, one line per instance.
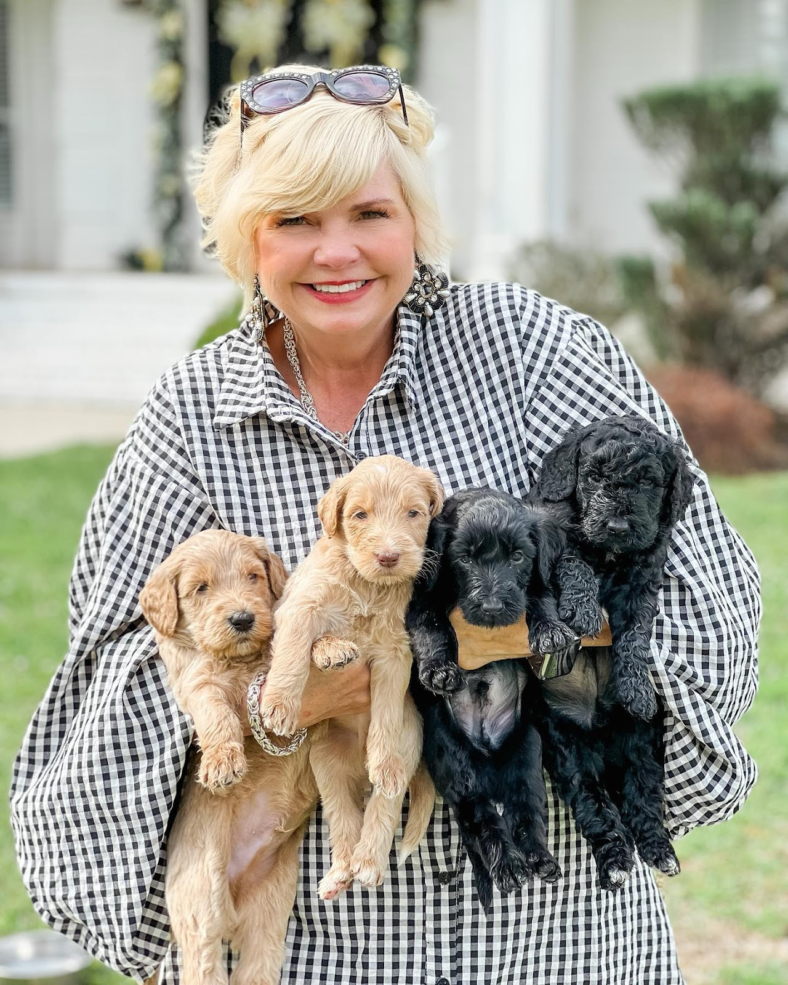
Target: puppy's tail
column 422, row 800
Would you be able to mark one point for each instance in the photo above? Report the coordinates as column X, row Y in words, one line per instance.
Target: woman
column 314, row 195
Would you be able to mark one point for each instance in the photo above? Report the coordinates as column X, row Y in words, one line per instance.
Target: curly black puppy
column 493, row 556
column 618, row 487
column 608, row 766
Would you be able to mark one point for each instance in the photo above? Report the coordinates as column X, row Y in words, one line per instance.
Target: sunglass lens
column 362, row 86
column 279, row 94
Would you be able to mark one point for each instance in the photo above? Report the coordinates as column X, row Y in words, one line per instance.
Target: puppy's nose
column 492, row 606
column 242, row 621
column 618, row 525
column 388, row 559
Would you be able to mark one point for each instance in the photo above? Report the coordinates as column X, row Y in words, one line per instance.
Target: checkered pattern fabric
column 478, row 393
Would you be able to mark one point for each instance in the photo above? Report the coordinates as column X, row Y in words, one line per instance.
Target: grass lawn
column 729, row 905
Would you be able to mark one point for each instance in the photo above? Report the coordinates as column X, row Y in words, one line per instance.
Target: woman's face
column 344, row 269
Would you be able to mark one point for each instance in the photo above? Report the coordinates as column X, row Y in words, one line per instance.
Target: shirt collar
column 253, row 385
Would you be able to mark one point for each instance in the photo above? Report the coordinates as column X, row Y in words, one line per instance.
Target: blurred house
column 531, row 143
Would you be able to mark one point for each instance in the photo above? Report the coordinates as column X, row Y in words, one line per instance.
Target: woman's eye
column 296, row 220
column 202, row 589
column 517, row 556
column 361, row 515
column 374, row 214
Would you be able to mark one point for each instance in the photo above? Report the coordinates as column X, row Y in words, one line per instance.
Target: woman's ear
column 159, row 597
column 329, row 509
column 274, row 566
column 558, row 475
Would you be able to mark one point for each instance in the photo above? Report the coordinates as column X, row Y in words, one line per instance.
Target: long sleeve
column 97, row 775
column 704, row 647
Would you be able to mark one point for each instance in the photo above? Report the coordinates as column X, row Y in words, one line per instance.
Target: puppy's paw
column 335, row 882
column 510, row 870
column 367, row 871
column 542, row 864
column 444, row 678
column 389, row 777
column 221, row 768
column 279, row 713
column 546, row 637
column 636, row 694
column 330, row 651
column 581, row 613
column 659, row 854
column 614, row 866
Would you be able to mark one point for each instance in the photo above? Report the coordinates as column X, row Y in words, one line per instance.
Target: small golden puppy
column 233, row 848
column 355, row 584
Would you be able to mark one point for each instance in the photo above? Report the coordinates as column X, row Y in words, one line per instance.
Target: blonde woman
column 315, row 198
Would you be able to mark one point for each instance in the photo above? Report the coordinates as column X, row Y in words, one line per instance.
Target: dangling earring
column 429, row 290
column 258, row 316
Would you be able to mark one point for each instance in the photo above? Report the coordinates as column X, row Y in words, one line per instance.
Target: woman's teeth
column 338, row 288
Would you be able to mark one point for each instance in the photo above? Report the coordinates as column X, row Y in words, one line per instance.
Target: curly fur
column 494, row 558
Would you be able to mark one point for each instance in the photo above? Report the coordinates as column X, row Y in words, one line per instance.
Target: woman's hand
column 328, row 694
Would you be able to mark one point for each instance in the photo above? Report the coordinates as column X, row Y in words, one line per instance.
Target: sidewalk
column 80, row 351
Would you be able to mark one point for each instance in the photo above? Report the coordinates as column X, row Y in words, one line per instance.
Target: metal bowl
column 42, row 956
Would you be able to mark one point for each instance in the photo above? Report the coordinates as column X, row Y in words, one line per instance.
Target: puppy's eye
column 252, row 576
column 517, row 556
column 202, row 589
column 464, row 560
column 412, row 513
column 361, row 515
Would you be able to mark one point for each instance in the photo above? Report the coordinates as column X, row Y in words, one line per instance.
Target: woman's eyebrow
column 373, row 203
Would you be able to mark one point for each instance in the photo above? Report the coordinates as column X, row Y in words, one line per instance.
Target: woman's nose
column 336, row 250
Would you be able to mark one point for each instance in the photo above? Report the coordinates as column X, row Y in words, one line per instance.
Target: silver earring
column 429, row 290
column 258, row 316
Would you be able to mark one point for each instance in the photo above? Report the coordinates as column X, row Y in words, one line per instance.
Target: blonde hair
column 305, row 160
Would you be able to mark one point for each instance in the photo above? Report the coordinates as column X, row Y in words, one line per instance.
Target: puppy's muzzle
column 241, row 622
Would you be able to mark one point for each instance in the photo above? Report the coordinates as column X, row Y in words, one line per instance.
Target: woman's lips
column 333, row 297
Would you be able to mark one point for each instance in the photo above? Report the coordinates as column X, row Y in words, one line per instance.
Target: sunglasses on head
column 276, row 92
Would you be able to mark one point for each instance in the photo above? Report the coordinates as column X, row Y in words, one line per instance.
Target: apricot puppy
column 233, row 847
column 355, row 584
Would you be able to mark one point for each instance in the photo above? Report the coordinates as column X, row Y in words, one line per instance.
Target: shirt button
column 443, row 981
column 361, row 456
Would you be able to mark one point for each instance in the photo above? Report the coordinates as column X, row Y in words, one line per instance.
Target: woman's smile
column 339, row 291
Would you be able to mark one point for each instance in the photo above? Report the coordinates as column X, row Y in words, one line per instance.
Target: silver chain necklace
column 306, row 397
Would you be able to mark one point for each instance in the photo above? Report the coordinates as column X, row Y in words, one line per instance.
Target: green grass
column 733, row 872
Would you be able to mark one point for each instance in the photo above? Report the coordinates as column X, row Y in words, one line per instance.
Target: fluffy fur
column 355, row 584
column 618, row 487
column 493, row 557
column 232, row 851
column 607, row 765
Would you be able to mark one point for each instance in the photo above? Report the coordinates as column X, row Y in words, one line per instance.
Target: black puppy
column 608, row 766
column 493, row 556
column 617, row 487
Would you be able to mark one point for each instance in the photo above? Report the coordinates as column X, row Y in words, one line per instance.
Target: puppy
column 493, row 556
column 608, row 766
column 232, row 851
column 618, row 487
column 355, row 584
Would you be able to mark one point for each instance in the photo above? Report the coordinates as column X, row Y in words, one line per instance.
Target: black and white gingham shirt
column 477, row 393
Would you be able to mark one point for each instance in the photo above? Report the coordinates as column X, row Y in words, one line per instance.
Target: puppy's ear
column 558, row 475
column 436, row 493
column 329, row 509
column 274, row 566
column 550, row 543
column 678, row 495
column 159, row 597
column 438, row 537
